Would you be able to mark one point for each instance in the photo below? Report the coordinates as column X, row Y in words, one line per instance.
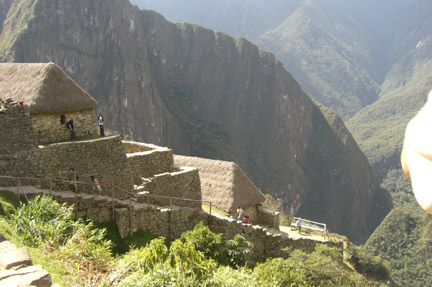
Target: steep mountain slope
column 405, row 241
column 4, row 8
column 379, row 129
column 203, row 93
column 329, row 54
column 337, row 50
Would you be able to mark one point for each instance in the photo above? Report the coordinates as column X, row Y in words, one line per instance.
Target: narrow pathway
column 284, row 230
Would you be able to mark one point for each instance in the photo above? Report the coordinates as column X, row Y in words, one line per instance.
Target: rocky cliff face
column 206, row 94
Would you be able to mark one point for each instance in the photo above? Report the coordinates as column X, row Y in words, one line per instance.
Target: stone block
column 11, row 256
column 27, row 276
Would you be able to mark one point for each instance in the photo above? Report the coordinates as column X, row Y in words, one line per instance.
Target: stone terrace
column 171, row 223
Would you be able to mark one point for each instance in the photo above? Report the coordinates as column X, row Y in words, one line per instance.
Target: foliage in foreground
column 8, row 203
column 182, row 265
column 234, row 252
column 44, row 221
column 120, row 245
column 46, row 224
column 86, row 254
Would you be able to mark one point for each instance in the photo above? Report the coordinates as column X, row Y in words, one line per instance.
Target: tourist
column 247, row 220
column 299, row 225
column 96, row 184
column 101, row 125
column 71, row 127
column 240, row 214
column 74, row 179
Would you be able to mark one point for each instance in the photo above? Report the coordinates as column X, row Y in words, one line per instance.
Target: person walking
column 101, row 125
column 96, row 185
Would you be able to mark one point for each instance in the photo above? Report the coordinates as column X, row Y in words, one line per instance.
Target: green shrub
column 239, row 250
column 8, row 203
column 120, row 245
column 372, row 266
column 156, row 265
column 204, row 240
column 323, row 267
column 87, row 250
column 43, row 221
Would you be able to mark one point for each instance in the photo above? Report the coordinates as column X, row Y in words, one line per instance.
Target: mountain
column 248, row 18
column 329, row 53
column 204, row 93
column 405, row 241
column 368, row 60
column 379, row 128
column 337, row 50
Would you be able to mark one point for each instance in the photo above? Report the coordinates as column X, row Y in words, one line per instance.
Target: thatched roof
column 223, row 183
column 44, row 87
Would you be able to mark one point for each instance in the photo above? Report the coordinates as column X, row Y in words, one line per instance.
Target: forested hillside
column 379, row 128
column 405, row 240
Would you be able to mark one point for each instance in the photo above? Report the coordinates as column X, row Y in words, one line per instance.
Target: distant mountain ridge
column 337, row 50
column 204, row 93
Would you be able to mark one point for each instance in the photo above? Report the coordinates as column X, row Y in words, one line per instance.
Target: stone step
column 11, row 256
column 28, row 276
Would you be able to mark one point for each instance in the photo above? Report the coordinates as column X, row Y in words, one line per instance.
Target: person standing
column 74, row 179
column 240, row 214
column 299, row 225
column 101, row 125
column 70, row 126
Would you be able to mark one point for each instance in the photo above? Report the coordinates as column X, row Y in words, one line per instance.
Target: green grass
column 122, row 245
column 8, row 203
column 53, row 266
column 59, row 274
column 214, row 210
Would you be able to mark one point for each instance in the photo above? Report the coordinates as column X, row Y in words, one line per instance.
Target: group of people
column 75, row 177
column 241, row 216
column 71, row 127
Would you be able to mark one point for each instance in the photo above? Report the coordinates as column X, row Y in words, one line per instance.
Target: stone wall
column 97, row 208
column 171, row 224
column 267, row 217
column 17, row 141
column 49, row 128
column 147, row 160
column 184, row 183
column 20, row 156
column 134, row 147
column 103, row 158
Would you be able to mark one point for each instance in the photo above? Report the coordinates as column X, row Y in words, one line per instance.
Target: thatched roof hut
column 44, row 87
column 223, row 183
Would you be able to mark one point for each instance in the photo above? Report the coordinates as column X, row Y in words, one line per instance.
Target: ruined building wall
column 103, row 158
column 50, row 128
column 17, row 142
column 147, row 160
column 183, row 183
